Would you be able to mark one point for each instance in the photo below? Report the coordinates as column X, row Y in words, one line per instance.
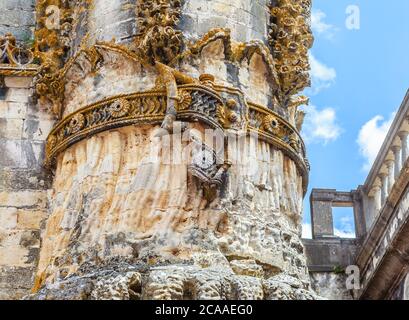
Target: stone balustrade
column 381, row 212
column 384, row 248
column 388, row 166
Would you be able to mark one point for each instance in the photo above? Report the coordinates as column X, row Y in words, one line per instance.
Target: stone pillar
column 398, row 158
column 391, row 177
column 384, row 189
column 172, row 231
column 322, row 220
column 404, row 141
column 377, row 198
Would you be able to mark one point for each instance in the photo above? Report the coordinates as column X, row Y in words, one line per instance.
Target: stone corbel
column 208, row 167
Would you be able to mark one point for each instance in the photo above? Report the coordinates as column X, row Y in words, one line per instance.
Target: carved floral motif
column 185, row 99
column 119, row 108
column 271, row 124
column 76, row 123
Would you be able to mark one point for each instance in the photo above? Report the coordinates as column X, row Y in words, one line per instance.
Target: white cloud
column 322, row 76
column 344, row 234
column 320, row 126
column 319, row 26
column 346, row 226
column 306, row 231
column 371, row 137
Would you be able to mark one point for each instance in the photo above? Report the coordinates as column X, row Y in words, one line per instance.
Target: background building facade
column 380, row 209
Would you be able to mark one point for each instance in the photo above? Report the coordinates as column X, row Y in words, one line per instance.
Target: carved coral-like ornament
column 158, row 38
column 77, row 123
column 290, row 37
column 119, row 108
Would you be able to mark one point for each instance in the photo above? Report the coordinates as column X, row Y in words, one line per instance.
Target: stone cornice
column 18, row 71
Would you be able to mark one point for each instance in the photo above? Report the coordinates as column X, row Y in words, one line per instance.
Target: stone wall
column 23, row 185
column 17, row 17
column 330, row 285
column 112, row 19
column 246, row 19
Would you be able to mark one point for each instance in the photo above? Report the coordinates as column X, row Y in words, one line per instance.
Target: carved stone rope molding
column 197, row 103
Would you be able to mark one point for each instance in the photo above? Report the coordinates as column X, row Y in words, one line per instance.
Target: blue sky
column 359, row 79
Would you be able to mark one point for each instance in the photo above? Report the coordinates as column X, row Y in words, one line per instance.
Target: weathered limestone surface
column 248, row 20
column 110, row 198
column 331, row 286
column 23, row 186
column 124, row 282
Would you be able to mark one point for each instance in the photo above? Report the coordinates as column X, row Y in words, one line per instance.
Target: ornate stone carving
column 212, row 35
column 15, row 59
column 296, row 117
column 11, row 54
column 119, row 108
column 185, row 100
column 279, row 132
column 228, row 115
column 181, row 282
column 290, row 38
column 158, row 39
column 76, row 123
column 196, row 103
column 52, row 41
column 117, row 287
column 50, row 88
column 51, row 46
column 143, row 107
column 207, row 166
column 271, row 124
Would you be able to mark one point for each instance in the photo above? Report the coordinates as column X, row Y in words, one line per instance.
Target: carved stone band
column 197, row 103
